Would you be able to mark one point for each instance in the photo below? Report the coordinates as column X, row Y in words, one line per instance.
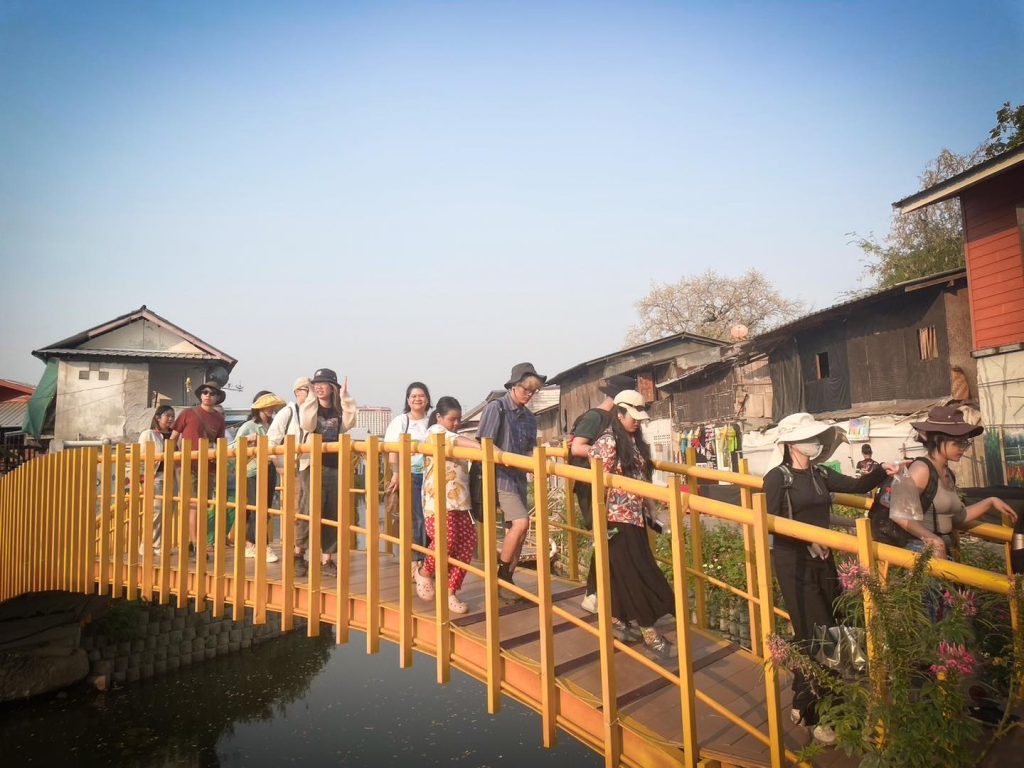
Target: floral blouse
column 623, row 507
column 456, row 478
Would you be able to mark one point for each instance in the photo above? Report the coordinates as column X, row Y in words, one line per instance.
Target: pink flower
column 778, row 650
column 852, row 576
column 962, row 600
column 954, row 658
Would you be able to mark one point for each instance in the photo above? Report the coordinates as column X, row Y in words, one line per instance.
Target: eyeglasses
column 963, row 443
column 529, row 392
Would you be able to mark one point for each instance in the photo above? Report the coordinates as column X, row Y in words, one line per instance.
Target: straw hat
column 269, row 400
column 801, row 428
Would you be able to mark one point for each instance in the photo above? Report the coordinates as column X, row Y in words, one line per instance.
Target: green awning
column 41, row 402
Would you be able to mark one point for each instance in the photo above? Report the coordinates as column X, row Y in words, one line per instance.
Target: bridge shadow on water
column 294, row 700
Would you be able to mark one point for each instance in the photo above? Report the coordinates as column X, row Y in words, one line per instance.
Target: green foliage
column 122, row 621
column 1008, row 132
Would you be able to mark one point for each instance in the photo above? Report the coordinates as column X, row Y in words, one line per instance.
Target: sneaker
column 824, row 734
column 424, row 585
column 455, row 605
column 329, row 570
column 271, row 556
column 589, row 604
column 625, row 633
column 658, row 645
column 250, row 549
column 301, row 566
column 795, row 716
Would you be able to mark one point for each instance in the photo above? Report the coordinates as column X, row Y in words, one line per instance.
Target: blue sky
column 436, row 191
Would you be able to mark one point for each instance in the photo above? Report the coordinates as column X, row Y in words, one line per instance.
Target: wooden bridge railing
column 75, row 521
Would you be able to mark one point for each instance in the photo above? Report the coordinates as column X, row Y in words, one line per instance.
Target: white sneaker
column 271, row 555
column 589, row 604
column 250, row 549
column 794, row 715
column 824, row 734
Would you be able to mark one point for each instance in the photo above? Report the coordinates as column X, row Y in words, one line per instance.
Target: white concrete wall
column 658, row 434
column 1001, row 389
column 94, row 409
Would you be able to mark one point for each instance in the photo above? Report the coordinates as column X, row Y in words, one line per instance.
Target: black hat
column 866, row 449
column 325, row 375
column 520, row 371
column 615, row 384
column 219, row 396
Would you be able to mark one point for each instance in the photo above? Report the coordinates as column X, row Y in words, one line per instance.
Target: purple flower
column 852, row 576
column 962, row 600
column 778, row 650
column 954, row 659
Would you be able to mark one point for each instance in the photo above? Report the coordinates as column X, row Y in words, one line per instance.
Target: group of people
column 799, row 485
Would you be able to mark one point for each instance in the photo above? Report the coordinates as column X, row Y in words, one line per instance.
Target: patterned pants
column 461, row 545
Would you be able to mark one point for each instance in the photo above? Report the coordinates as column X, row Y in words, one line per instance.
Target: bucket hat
column 615, row 384
column 325, row 375
column 218, row 398
column 947, row 420
column 520, row 371
column 802, row 427
column 633, row 402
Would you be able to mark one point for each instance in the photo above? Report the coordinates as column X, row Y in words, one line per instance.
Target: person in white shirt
column 159, row 431
column 286, row 422
column 412, row 421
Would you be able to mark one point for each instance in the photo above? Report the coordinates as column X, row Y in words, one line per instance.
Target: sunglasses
column 207, row 392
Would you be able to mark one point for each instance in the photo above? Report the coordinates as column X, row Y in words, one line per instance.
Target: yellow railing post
column 262, row 500
column 168, row 513
column 202, row 519
column 866, row 556
column 148, row 506
column 220, row 527
column 773, row 700
column 89, row 516
column 495, row 673
column 687, row 703
column 188, row 500
column 345, row 521
column 288, row 502
column 612, row 732
column 1015, row 618
column 241, row 516
column 119, row 521
column 572, row 543
column 442, row 629
column 750, row 568
column 405, row 586
column 316, row 471
column 390, row 524
column 372, row 555
column 548, row 684
column 134, row 518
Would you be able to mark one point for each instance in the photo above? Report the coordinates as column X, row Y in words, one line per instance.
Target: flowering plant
column 912, row 711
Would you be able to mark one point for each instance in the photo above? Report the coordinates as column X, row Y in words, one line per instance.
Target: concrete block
column 88, row 643
column 211, row 653
column 162, row 640
column 120, row 664
column 203, row 630
column 148, row 657
column 247, row 642
column 211, row 642
column 198, row 657
column 234, row 646
column 178, row 622
column 166, row 626
column 124, row 648
column 159, row 666
column 150, row 643
column 189, row 633
column 95, row 655
column 146, row 671
column 159, row 654
column 134, row 660
column 199, row 644
column 132, row 675
column 185, row 659
column 118, row 677
column 173, row 663
column 176, row 636
column 235, row 635
column 153, row 629
column 173, row 650
column 222, row 639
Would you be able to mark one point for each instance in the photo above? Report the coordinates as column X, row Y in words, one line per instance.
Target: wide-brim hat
column 615, row 384
column 520, row 371
column 801, row 427
column 210, row 385
column 269, row 400
column 633, row 403
column 947, row 420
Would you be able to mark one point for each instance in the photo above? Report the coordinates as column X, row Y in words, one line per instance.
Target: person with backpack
column 286, row 422
column 412, row 421
column 585, row 430
column 264, row 407
column 946, row 436
column 799, row 487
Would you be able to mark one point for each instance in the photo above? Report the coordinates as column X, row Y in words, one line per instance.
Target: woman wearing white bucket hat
column 798, row 487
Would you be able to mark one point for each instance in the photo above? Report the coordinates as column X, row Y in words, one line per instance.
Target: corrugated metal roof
column 133, row 353
column 12, row 413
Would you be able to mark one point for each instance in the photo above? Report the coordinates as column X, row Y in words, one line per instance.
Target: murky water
column 293, row 701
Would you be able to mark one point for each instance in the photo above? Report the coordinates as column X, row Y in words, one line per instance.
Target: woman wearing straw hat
column 798, row 487
column 946, row 436
column 264, row 406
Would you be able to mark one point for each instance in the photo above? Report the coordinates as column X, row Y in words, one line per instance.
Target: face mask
column 811, row 449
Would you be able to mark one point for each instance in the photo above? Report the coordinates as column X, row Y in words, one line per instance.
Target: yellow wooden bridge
column 74, row 521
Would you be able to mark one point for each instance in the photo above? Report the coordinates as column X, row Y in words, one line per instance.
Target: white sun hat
column 802, row 427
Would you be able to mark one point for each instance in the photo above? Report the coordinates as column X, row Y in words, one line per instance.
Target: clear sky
column 436, row 191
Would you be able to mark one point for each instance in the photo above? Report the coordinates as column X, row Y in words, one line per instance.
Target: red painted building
column 991, row 198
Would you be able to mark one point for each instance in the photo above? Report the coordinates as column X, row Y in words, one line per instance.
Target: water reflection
column 293, row 701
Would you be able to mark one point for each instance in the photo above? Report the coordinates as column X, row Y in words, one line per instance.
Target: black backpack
column 476, row 474
column 887, row 531
column 606, row 420
column 787, row 483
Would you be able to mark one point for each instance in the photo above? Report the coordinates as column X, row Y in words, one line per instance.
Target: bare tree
column 710, row 305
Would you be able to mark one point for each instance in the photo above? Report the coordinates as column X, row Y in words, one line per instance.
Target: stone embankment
column 51, row 640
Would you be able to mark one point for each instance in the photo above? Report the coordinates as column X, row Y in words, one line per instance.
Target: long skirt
column 640, row 591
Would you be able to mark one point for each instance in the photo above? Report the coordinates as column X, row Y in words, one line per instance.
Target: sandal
column 424, row 585
column 455, row 605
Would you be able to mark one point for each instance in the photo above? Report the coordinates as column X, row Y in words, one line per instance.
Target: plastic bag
column 905, row 498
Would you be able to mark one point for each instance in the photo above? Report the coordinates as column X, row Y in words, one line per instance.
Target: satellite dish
column 738, row 332
column 218, row 374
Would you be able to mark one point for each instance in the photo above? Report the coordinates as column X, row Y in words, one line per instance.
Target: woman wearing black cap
column 330, row 412
column 946, row 437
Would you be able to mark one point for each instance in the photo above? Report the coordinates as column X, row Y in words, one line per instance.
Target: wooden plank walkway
column 649, row 704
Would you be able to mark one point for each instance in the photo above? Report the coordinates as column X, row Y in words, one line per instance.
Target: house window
column 928, row 343
column 103, row 375
column 83, row 374
column 821, row 362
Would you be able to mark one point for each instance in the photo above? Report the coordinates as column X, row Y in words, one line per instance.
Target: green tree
column 1008, row 132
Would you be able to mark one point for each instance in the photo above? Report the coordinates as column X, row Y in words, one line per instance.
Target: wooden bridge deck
column 649, row 705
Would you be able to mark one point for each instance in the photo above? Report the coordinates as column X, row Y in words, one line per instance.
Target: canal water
column 291, row 701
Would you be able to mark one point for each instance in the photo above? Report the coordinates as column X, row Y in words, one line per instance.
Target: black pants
column 250, row 500
column 810, row 587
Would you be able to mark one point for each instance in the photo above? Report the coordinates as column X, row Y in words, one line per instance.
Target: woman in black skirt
column 640, row 593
